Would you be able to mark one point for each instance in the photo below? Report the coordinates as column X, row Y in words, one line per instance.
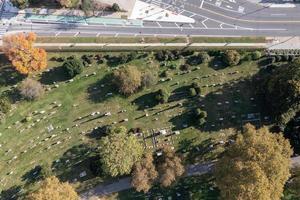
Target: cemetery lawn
column 60, row 130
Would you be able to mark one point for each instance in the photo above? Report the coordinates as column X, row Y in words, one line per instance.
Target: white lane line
column 191, row 26
column 76, row 34
column 117, row 34
column 192, row 15
column 158, row 24
column 56, row 34
column 204, row 23
column 201, row 4
column 177, row 25
column 98, row 34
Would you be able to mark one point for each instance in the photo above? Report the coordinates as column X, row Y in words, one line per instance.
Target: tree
column 204, row 57
column 52, row 189
column 256, row 55
column 119, row 152
column 148, row 79
column 5, row 105
column 115, row 7
column 231, row 57
column 256, row 166
column 200, row 116
column 127, row 79
column 22, row 4
column 162, row 96
column 24, row 57
column 31, row 89
column 68, row 3
column 73, row 67
column 170, row 167
column 144, row 173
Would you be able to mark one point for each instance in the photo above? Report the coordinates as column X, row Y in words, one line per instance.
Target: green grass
column 193, row 188
column 110, row 39
column 89, row 94
column 227, row 39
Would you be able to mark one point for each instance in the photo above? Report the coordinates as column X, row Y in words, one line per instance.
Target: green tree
column 170, row 167
column 162, row 96
column 231, row 57
column 294, row 183
column 256, row 166
column 144, row 173
column 127, row 79
column 204, row 57
column 5, row 105
column 119, row 152
column 22, row 4
column 256, row 55
column 73, row 67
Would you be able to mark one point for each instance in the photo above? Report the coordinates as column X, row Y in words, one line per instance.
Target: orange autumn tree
column 24, row 56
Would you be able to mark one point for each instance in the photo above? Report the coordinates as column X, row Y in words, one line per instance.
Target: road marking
column 177, row 25
column 56, row 34
column 278, row 14
column 204, row 23
column 98, row 34
column 201, row 4
column 191, row 26
column 117, row 34
column 76, row 34
column 158, row 24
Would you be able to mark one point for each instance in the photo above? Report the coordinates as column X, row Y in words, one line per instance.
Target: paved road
column 213, row 17
column 124, row 183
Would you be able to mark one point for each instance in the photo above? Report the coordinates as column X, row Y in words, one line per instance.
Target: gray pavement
column 213, row 18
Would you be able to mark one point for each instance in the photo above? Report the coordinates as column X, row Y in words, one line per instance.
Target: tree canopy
column 52, row 189
column 24, row 56
column 144, row 173
column 119, row 152
column 256, row 166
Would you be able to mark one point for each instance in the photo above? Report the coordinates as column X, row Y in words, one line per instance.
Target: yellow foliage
column 52, row 189
column 24, row 56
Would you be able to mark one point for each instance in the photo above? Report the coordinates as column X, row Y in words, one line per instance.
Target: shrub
column 204, row 57
column 115, row 7
column 247, row 57
column 127, row 79
column 185, row 67
column 193, row 92
column 231, row 57
column 5, row 105
column 200, row 116
column 214, row 53
column 166, row 74
column 197, row 87
column 73, row 67
column 148, row 79
column 194, row 60
column 162, row 96
column 31, row 89
column 277, row 58
column 256, row 55
column 187, row 53
column 22, row 4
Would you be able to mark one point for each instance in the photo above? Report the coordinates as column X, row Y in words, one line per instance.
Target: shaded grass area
column 193, row 188
column 111, row 39
column 73, row 142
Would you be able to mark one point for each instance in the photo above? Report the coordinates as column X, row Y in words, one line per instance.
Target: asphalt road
column 213, row 18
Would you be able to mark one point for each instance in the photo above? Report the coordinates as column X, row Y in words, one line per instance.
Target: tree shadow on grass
column 217, row 63
column 56, row 74
column 75, row 161
column 179, row 94
column 13, row 193
column 33, row 175
column 99, row 132
column 146, row 101
column 102, row 89
column 8, row 75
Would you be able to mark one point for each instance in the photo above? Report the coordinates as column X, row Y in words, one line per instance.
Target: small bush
column 256, row 55
column 193, row 92
column 162, row 96
column 197, row 87
column 31, row 89
column 166, row 74
column 185, row 67
column 115, row 7
column 148, row 79
column 200, row 116
column 231, row 57
column 204, row 57
column 73, row 67
column 5, row 105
